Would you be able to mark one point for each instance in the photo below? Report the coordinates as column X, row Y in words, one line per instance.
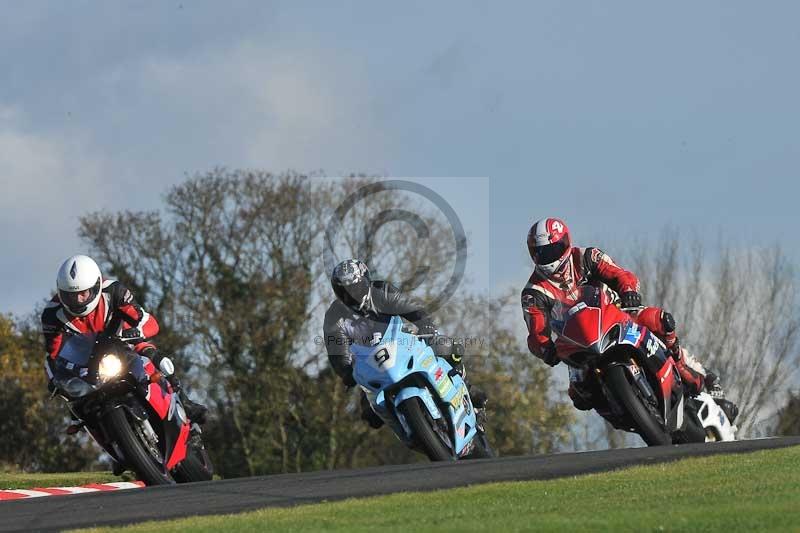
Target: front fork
column 637, row 374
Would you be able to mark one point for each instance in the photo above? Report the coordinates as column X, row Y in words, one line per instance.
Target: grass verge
column 750, row 492
column 31, row 481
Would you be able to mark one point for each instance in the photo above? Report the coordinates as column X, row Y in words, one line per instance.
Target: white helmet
column 550, row 245
column 77, row 275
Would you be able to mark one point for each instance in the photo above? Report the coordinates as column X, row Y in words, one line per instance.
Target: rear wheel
column 138, row 455
column 422, row 428
column 692, row 430
column 649, row 427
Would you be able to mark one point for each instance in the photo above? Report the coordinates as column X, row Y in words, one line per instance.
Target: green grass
column 750, row 492
column 31, row 481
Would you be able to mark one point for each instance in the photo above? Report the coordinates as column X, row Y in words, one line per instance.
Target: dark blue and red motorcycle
column 130, row 409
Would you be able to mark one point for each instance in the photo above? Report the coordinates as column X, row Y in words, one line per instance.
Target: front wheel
column 649, row 427
column 148, row 468
column 422, row 428
column 482, row 449
column 197, row 465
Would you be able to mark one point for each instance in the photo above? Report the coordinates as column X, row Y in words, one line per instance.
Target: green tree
column 32, row 424
column 789, row 416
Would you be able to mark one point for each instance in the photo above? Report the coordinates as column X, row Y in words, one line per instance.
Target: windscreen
column 77, row 350
column 590, row 295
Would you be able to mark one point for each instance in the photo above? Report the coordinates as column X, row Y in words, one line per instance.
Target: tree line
column 231, row 265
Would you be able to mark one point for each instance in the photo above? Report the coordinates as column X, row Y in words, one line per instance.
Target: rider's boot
column 368, row 415
column 713, row 386
column 715, row 390
column 116, row 468
column 74, row 426
column 195, row 411
column 583, row 391
column 478, row 396
column 581, row 397
column 455, row 357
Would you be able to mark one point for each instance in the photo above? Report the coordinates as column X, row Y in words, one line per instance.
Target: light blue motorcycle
column 423, row 399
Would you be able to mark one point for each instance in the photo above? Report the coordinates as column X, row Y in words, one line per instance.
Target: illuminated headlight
column 110, row 366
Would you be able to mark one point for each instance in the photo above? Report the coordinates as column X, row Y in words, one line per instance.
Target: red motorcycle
column 630, row 367
column 130, row 410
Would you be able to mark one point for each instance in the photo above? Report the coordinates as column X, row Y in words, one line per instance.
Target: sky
column 620, row 117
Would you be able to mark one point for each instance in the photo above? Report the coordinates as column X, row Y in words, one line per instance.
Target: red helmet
column 549, row 244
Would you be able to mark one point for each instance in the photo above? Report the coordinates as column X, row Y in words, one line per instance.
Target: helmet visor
column 549, row 253
column 353, row 294
column 77, row 302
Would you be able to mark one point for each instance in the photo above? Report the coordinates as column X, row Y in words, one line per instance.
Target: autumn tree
column 32, row 424
column 235, row 267
column 737, row 310
column 789, row 416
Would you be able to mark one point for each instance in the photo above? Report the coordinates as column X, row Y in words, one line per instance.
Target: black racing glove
column 458, row 352
column 131, row 335
column 631, row 299
column 427, row 329
column 163, row 363
column 549, row 355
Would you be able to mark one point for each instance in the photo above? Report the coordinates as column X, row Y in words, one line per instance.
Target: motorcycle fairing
column 670, row 383
column 594, row 328
column 402, row 366
column 173, row 425
column 712, row 417
column 584, row 326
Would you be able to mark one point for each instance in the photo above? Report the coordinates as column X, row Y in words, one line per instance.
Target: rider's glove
column 131, row 335
column 427, row 329
column 458, row 352
column 631, row 299
column 549, row 355
column 166, row 366
column 162, row 362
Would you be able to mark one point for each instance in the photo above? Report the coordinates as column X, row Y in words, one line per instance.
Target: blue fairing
column 402, row 357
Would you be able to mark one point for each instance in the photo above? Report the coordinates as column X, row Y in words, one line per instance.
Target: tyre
column 196, row 466
column 692, row 430
column 147, row 468
column 649, row 427
column 482, row 450
column 421, row 425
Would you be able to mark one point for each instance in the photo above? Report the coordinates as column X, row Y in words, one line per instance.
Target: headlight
column 110, row 366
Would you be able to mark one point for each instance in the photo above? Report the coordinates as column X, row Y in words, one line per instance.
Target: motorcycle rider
column 87, row 303
column 363, row 309
column 560, row 270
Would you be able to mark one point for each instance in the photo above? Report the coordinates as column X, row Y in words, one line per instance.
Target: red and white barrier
column 20, row 494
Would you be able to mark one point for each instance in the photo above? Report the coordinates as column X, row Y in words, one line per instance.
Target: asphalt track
column 244, row 494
